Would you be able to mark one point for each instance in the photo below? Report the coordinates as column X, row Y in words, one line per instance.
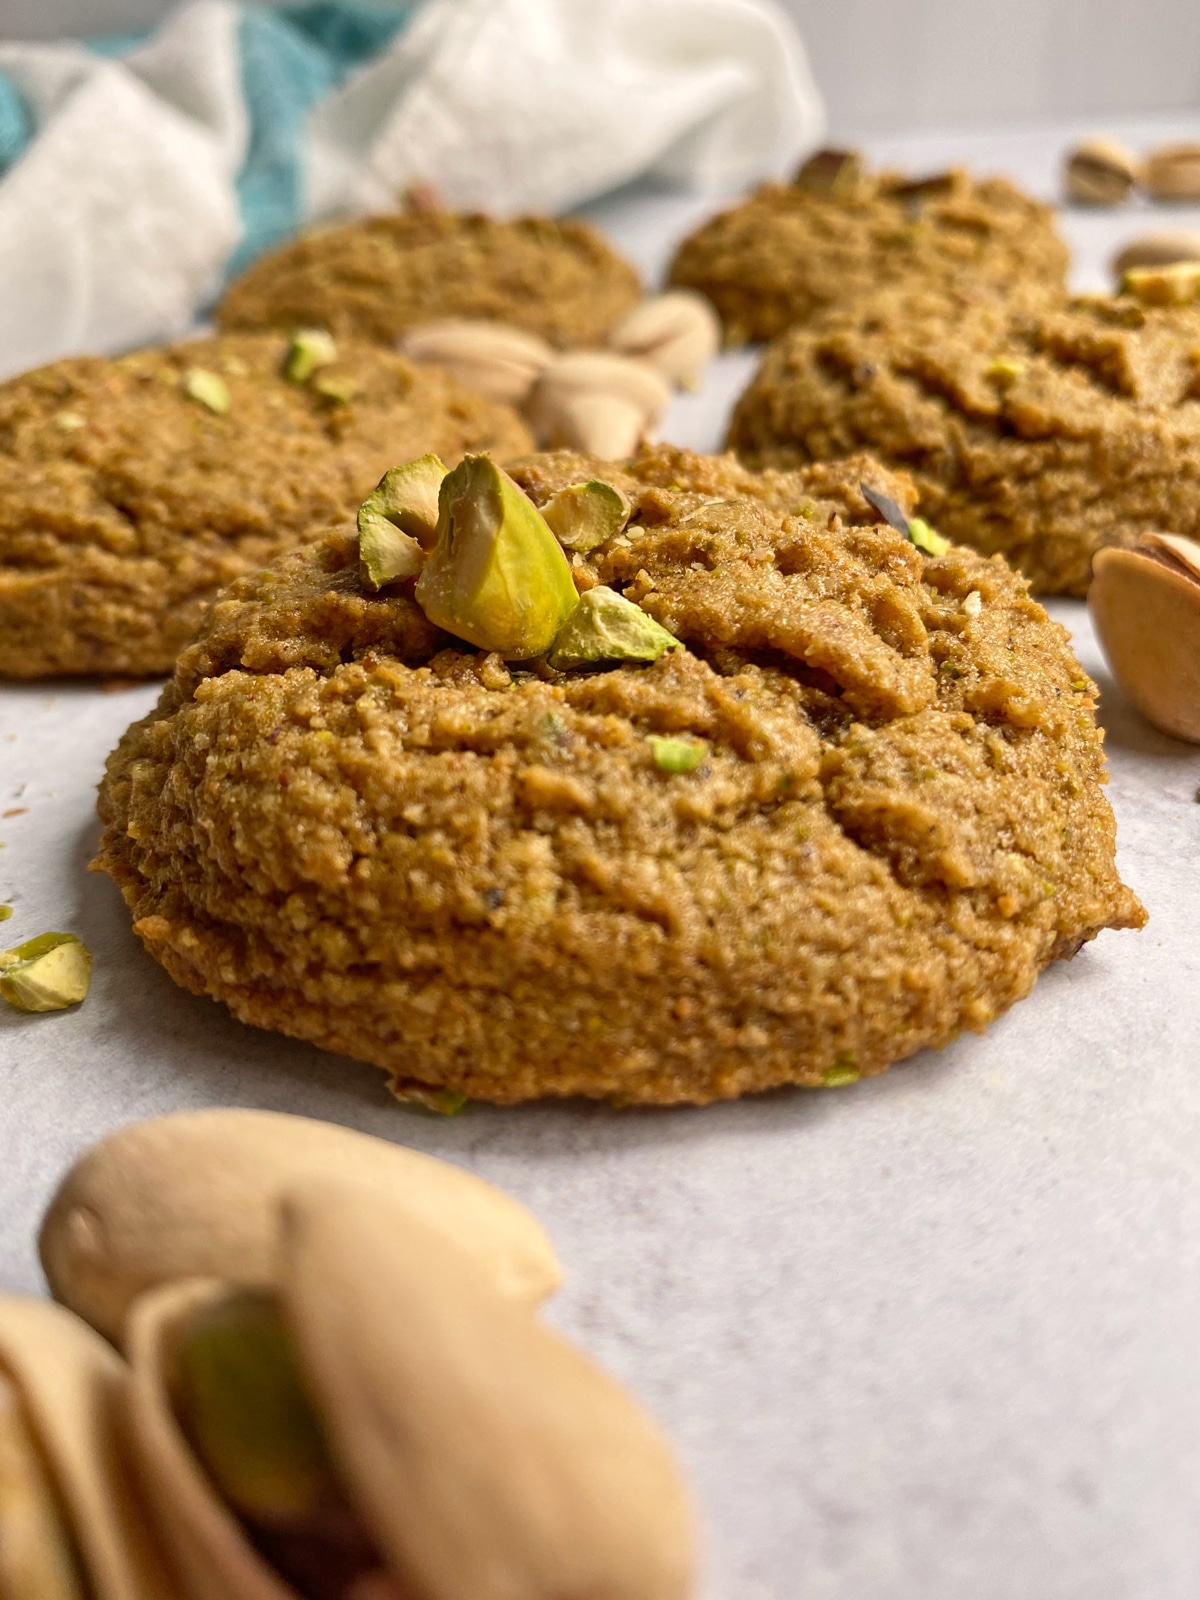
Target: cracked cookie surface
column 351, row 828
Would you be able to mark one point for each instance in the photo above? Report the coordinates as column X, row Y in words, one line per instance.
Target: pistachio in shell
column 583, row 515
column 604, row 626
column 486, row 1455
column 47, row 973
column 497, row 576
column 1145, row 604
column 37, row 1554
column 195, row 1194
column 397, row 519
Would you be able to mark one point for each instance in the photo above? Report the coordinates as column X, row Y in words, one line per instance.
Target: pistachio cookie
column 802, row 802
column 837, row 235
column 1044, row 436
column 131, row 490
column 376, row 278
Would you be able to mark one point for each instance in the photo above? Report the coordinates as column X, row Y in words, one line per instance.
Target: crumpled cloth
column 136, row 175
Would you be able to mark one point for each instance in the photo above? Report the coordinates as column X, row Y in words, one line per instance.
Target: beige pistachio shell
column 678, row 333
column 487, row 1457
column 1147, row 616
column 600, row 403
column 1173, row 172
column 71, row 1386
column 196, row 1194
column 1157, row 250
column 37, row 1548
column 207, row 1542
column 494, row 359
column 1100, row 172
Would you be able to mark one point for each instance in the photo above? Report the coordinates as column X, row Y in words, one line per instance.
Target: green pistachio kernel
column 497, row 576
column 1007, row 368
column 441, row 1102
column 397, row 518
column 310, row 349
column 586, row 514
column 676, row 755
column 604, row 626
column 844, row 1070
column 48, row 973
column 339, row 388
column 208, row 387
column 927, row 539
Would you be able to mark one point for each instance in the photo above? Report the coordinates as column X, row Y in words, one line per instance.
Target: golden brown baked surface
column 373, row 279
column 784, row 254
column 1042, row 436
column 353, row 830
column 126, row 502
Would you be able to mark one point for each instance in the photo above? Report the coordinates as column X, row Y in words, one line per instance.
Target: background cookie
column 791, row 250
column 353, row 829
column 1042, row 436
column 132, row 490
column 373, row 279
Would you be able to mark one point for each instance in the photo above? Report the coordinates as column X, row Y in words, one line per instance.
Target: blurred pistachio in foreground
column 37, row 1556
column 1145, row 604
column 397, row 519
column 48, row 973
column 604, row 626
column 497, row 576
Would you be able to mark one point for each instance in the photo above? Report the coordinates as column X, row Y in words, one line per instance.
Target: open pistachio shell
column 1147, row 614
column 71, row 1385
column 37, row 1548
column 196, row 1194
column 487, row 1456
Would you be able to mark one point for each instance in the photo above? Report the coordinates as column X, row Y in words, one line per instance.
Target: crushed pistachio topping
column 927, row 539
column 497, row 576
column 48, row 973
column 1007, row 368
column 339, row 388
column 676, row 755
column 397, row 519
column 604, row 626
column 584, row 515
column 441, row 1102
column 310, row 350
column 209, row 388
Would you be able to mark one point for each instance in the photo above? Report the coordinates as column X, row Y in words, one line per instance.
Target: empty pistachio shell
column 1100, row 172
column 678, row 333
column 37, row 1550
column 584, row 515
column 48, row 973
column 397, row 518
column 497, row 576
column 1173, row 172
column 488, row 1457
column 1175, row 285
column 310, row 350
column 1145, row 604
column 209, row 388
column 195, row 1194
column 1157, row 250
column 70, row 1384
column 597, row 402
column 489, row 357
column 604, row 626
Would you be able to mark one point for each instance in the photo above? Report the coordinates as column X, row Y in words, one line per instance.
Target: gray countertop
column 929, row 1336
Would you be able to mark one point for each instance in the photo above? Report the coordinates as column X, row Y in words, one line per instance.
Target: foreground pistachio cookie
column 838, row 234
column 376, row 278
column 1042, row 436
column 131, row 490
column 833, row 800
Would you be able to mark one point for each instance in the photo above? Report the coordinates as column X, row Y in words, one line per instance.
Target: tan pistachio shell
column 1100, row 172
column 1157, row 250
column 493, row 358
column 207, row 1541
column 597, row 402
column 196, row 1195
column 1172, row 172
column 1147, row 616
column 678, row 333
column 487, row 1456
column 71, row 1386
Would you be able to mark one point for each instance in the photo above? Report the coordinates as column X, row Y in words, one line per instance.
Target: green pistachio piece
column 604, row 626
column 676, row 755
column 208, row 387
column 497, row 576
column 241, row 1404
column 926, row 538
column 397, row 518
column 310, row 349
column 441, row 1102
column 586, row 514
column 37, row 1555
column 339, row 388
column 48, row 973
column 5, row 913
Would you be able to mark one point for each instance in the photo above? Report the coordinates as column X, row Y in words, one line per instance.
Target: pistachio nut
column 1173, row 172
column 68, row 1383
column 1100, row 172
column 195, row 1194
column 678, row 333
column 597, row 402
column 677, row 756
column 1145, row 604
column 48, row 973
column 583, row 515
column 37, row 1549
column 1157, row 250
column 604, row 626
column 497, row 576
column 422, row 198
column 209, row 388
column 486, row 1456
column 397, row 520
column 490, row 357
column 310, row 350
column 840, row 174
column 928, row 540
column 1174, row 285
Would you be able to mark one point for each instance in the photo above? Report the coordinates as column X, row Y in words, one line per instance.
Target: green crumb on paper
column 676, row 755
column 441, row 1102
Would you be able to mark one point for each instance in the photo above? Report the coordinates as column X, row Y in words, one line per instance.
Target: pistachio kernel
column 676, row 755
column 927, row 539
column 310, row 349
column 604, row 626
column 209, row 388
column 339, row 388
column 583, row 515
column 397, row 519
column 439, row 1102
column 48, row 973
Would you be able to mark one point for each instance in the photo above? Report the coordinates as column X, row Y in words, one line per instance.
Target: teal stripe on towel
column 16, row 125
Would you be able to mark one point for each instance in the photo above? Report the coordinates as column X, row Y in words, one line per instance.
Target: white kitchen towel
column 134, row 179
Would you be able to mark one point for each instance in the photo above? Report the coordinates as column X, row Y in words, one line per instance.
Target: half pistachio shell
column 70, row 1385
column 37, row 1549
column 196, row 1195
column 1145, row 604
